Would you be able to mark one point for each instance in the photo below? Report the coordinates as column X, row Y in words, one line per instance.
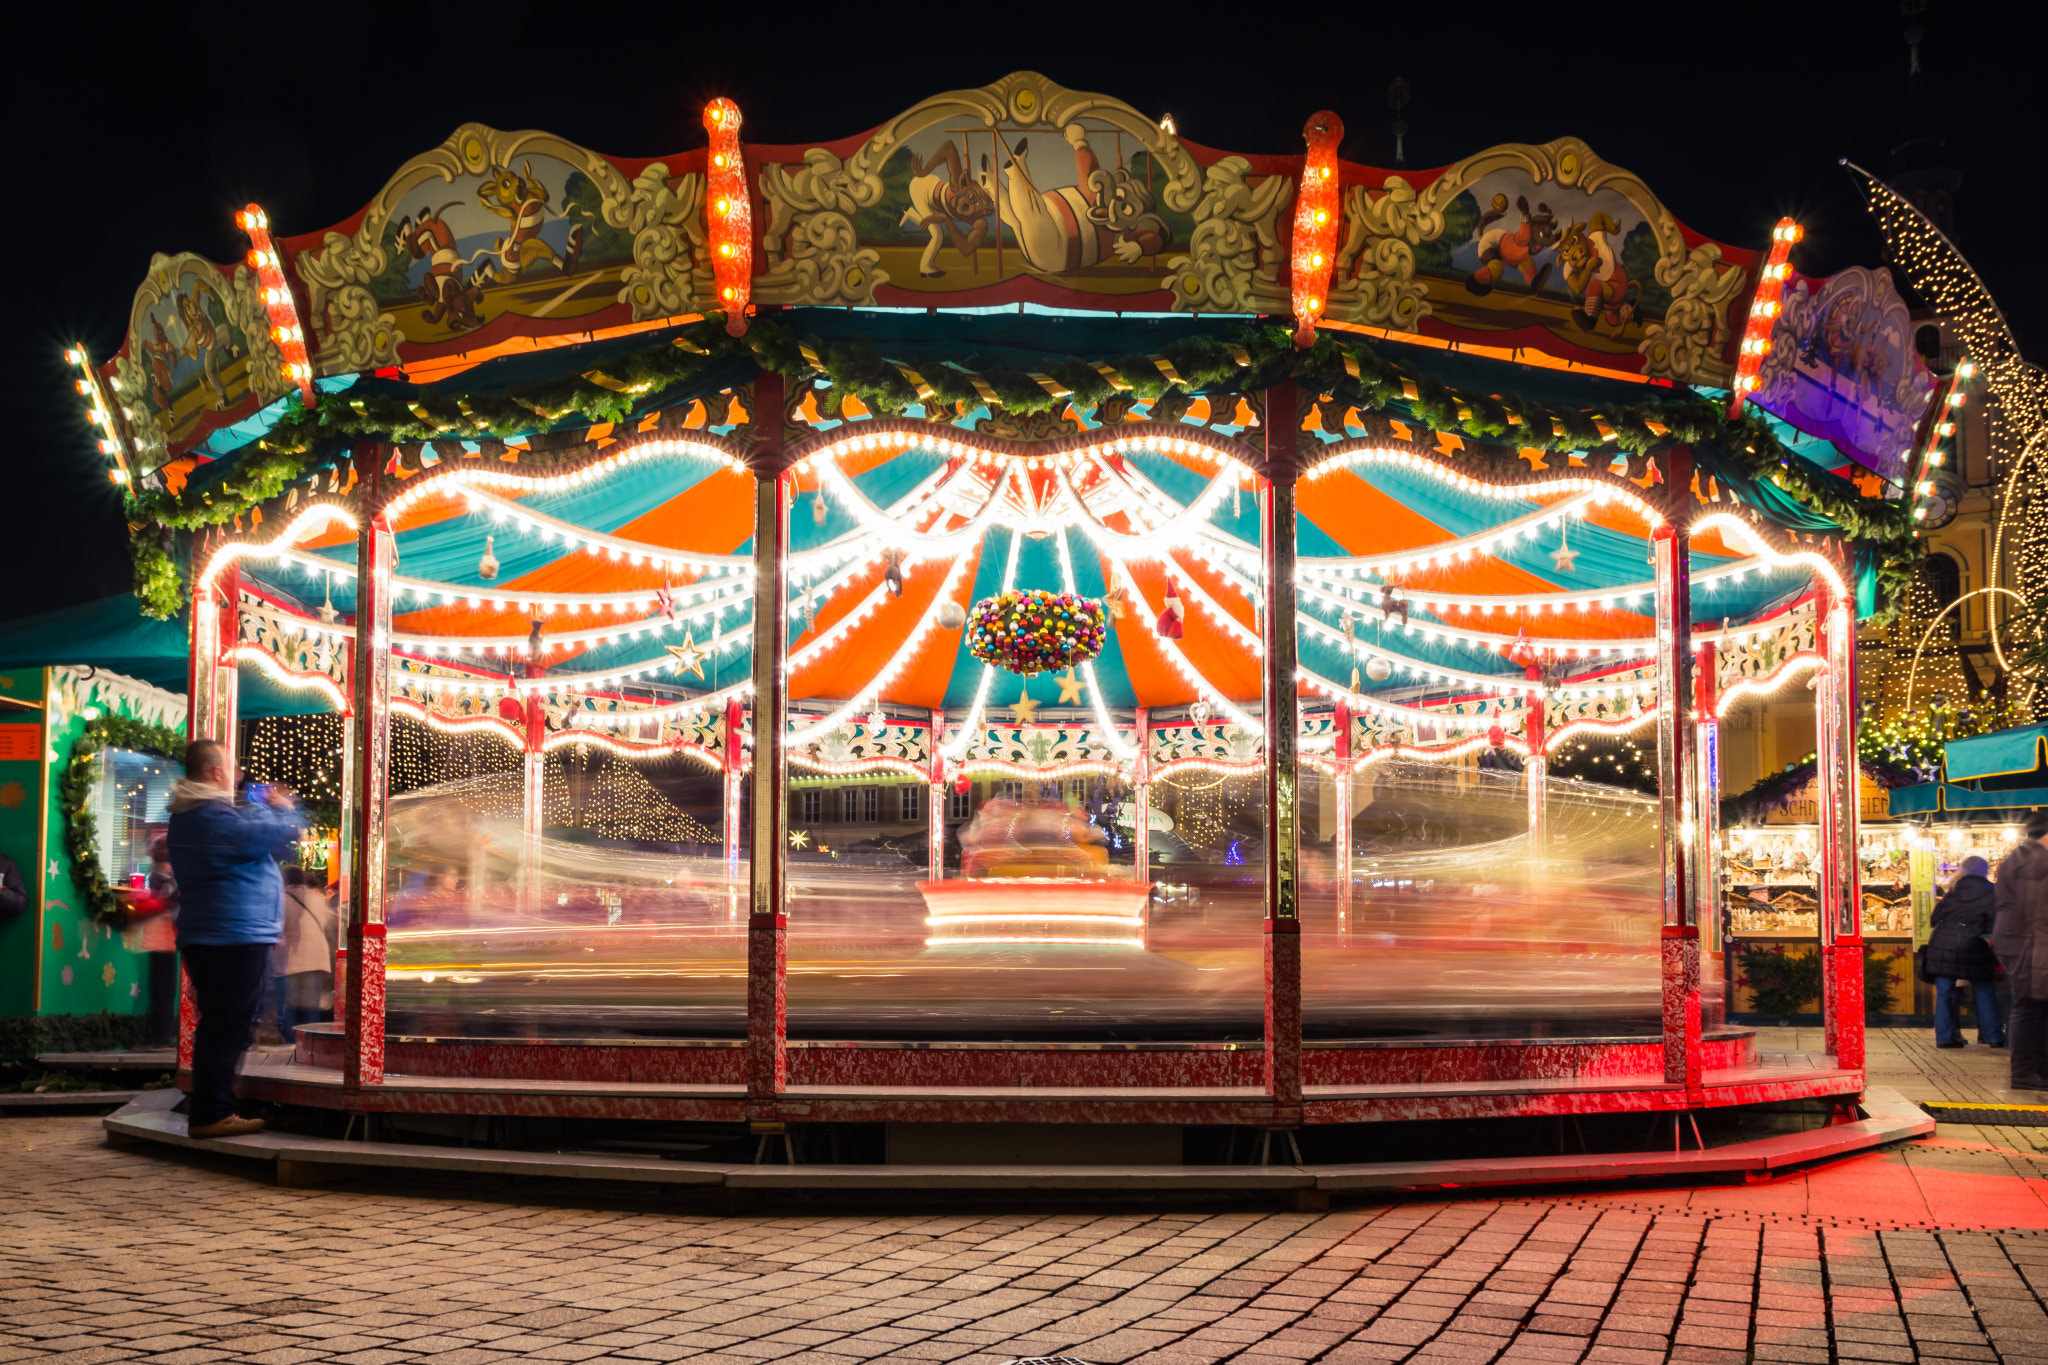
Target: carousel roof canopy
column 1021, row 338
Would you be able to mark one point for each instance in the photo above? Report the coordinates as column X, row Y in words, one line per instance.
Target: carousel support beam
column 533, row 788
column 369, row 798
column 735, row 769
column 1670, row 549
column 1282, row 708
column 1341, row 783
column 935, row 815
column 767, row 1066
column 210, row 707
column 1706, row 834
column 1841, row 894
column 1141, row 806
column 344, row 900
column 1536, row 769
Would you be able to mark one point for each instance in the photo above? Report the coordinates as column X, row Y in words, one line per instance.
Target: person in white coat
column 304, row 958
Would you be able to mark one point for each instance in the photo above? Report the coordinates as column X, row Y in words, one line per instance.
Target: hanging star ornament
column 688, row 657
column 1564, row 556
column 1070, row 689
column 799, row 838
column 1024, row 709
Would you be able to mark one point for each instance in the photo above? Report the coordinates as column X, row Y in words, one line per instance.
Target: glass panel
column 131, row 808
column 1420, row 614
column 1038, row 922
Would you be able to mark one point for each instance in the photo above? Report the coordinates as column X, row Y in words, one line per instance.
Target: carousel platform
column 1190, row 1084
column 1880, row 1117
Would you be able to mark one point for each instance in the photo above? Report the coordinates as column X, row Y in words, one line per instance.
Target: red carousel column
column 1669, row 549
column 767, row 925
column 199, row 721
column 1706, row 835
column 227, row 691
column 209, row 714
column 1841, row 899
column 935, row 815
column 1340, row 783
column 363, row 1026
column 533, row 785
column 735, row 769
column 1141, row 804
column 1536, row 769
column 344, row 901
column 1283, row 853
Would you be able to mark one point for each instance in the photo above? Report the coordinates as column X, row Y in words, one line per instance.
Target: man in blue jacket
column 231, row 910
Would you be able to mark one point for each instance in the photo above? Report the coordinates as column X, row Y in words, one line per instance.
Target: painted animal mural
column 448, row 296
column 522, row 200
column 941, row 203
column 1591, row 255
column 1106, row 215
column 1502, row 248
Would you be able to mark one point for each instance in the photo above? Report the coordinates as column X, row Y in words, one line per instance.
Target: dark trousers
column 1948, row 1011
column 227, row 983
column 2028, row 1037
column 163, row 999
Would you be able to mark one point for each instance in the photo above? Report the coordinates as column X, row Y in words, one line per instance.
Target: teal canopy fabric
column 111, row 633
column 1998, row 754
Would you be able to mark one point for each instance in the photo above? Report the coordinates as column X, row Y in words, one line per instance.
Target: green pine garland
column 1253, row 358
column 82, row 778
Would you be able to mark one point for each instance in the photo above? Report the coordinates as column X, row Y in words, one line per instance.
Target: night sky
column 142, row 130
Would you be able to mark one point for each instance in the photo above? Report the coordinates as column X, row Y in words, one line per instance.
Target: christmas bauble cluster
column 1030, row 630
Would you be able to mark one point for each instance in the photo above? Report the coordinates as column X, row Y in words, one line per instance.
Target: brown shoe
column 231, row 1126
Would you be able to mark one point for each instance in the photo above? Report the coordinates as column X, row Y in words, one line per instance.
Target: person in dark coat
column 2020, row 938
column 230, row 911
column 1958, row 949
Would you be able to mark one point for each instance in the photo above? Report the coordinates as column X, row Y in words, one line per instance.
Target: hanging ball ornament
column 951, row 615
column 1496, row 736
column 1378, row 669
column 1031, row 630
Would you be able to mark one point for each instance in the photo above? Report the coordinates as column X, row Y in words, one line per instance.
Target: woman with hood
column 1958, row 950
column 2020, row 938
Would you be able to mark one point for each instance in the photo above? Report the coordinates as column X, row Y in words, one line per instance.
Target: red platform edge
column 1174, row 1083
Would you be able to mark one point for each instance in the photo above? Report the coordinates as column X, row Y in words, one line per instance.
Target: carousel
column 1180, row 566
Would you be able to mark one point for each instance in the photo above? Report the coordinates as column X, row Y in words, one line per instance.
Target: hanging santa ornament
column 1170, row 614
column 951, row 615
column 487, row 567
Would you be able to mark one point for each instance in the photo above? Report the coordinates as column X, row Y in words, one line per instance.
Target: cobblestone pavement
column 121, row 1255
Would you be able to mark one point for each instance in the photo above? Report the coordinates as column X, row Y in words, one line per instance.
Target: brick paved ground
column 116, row 1255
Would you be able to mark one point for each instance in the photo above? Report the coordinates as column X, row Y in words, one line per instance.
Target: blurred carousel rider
column 1959, row 949
column 230, row 912
column 2020, row 938
column 303, row 960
